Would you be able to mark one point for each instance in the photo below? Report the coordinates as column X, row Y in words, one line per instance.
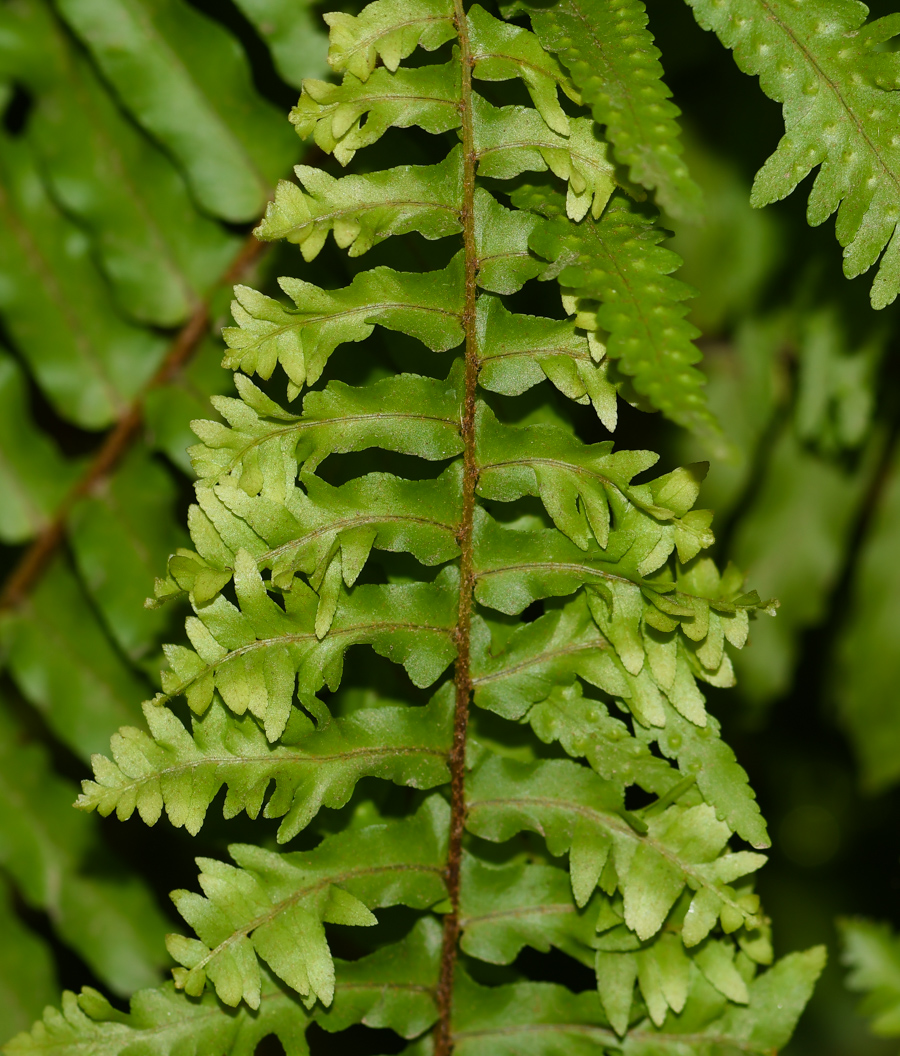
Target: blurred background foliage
column 140, row 140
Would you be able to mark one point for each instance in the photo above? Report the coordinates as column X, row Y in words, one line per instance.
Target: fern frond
column 583, row 487
column 523, row 350
column 393, row 988
column 257, row 908
column 389, row 31
column 230, row 142
column 362, row 211
column 386, row 30
column 407, row 413
column 385, row 989
column 585, row 729
column 426, row 306
column 505, row 263
column 427, row 97
column 317, row 526
column 615, row 276
column 164, row 1022
column 310, row 768
column 500, row 1020
column 258, row 655
column 501, row 51
column 840, row 113
column 650, row 861
column 602, row 684
column 511, row 140
column 60, row 868
column 506, row 908
column 612, row 60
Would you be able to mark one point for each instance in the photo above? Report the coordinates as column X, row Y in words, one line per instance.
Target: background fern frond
column 618, row 284
column 838, row 116
column 615, row 66
column 197, row 101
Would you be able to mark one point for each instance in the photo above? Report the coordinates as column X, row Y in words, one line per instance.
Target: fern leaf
column 777, row 998
column 183, row 772
column 262, row 907
column 650, row 862
column 159, row 253
column 164, row 1022
column 549, row 1019
column 837, row 115
column 405, row 413
column 505, row 263
column 60, row 868
column 553, row 1021
column 515, row 567
column 294, row 35
column 610, row 56
column 616, row 276
column 501, row 51
column 554, row 649
column 506, row 908
column 362, row 211
column 34, row 476
column 231, row 143
column 514, row 139
column 426, row 306
column 523, row 350
column 392, row 988
column 384, row 989
column 701, row 752
column 665, row 972
column 581, row 486
column 388, row 30
column 254, row 655
column 585, row 728
column 333, row 114
column 88, row 360
column 314, row 528
column 317, row 529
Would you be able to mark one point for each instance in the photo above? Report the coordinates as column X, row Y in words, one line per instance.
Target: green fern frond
column 427, row 307
column 283, row 895
column 231, row 143
column 310, row 768
column 840, row 113
column 361, row 211
column 616, row 278
column 613, row 62
column 257, row 656
column 163, row 1022
column 872, row 954
column 650, row 861
column 413, row 505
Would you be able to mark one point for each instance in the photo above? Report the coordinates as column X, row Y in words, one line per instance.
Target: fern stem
column 462, row 675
